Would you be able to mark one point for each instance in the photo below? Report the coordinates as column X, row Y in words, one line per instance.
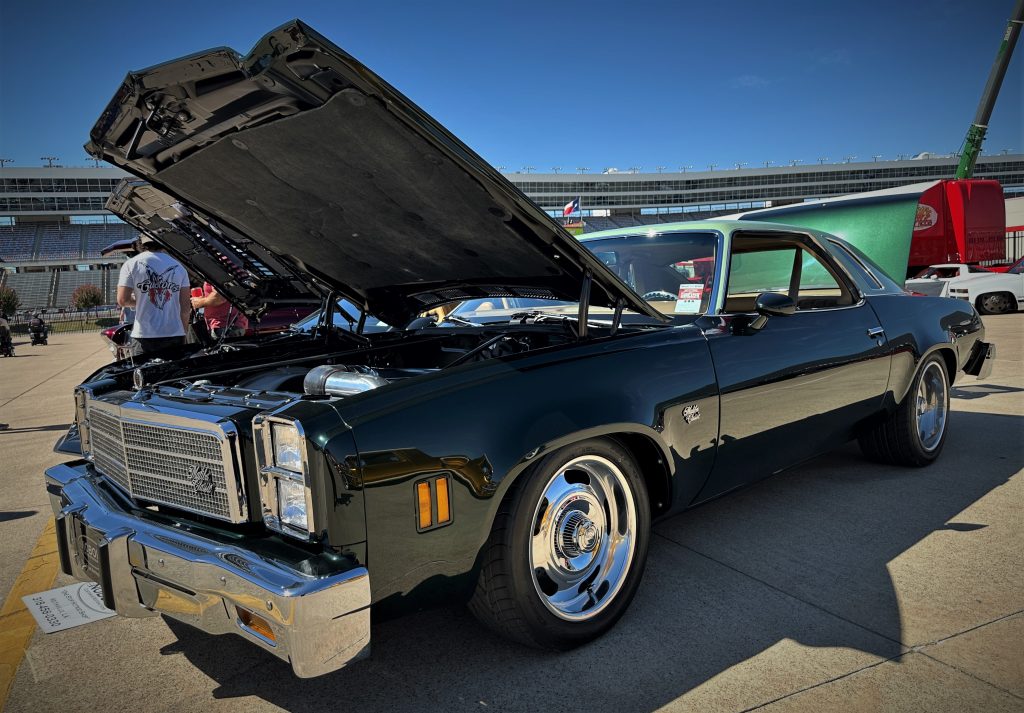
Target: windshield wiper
column 455, row 319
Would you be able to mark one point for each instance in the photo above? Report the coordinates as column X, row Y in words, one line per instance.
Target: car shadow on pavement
column 801, row 559
column 980, row 391
column 62, row 427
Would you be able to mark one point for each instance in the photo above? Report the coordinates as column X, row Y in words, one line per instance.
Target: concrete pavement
column 838, row 585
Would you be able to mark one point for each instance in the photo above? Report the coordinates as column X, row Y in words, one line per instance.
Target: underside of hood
column 301, row 150
column 245, row 273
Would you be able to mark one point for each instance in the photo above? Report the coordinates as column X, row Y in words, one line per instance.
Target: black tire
column 898, row 440
column 997, row 303
column 509, row 598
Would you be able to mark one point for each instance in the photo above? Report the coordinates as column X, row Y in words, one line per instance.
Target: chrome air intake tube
column 340, row 380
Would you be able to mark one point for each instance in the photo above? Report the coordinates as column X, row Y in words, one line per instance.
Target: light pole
column 822, row 159
column 634, row 169
column 582, row 169
column 847, row 159
column 556, row 169
column 877, row 157
column 501, row 169
column 5, row 161
column 682, row 169
column 711, row 166
column 795, row 161
column 96, row 161
column 529, row 169
column 49, row 160
column 740, row 165
column 659, row 169
column 768, row 163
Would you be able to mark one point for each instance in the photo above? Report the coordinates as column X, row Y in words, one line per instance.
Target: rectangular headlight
column 281, row 453
column 287, row 446
column 291, row 503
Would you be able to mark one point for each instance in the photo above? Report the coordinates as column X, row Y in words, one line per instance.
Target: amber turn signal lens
column 258, row 624
column 443, row 512
column 423, row 497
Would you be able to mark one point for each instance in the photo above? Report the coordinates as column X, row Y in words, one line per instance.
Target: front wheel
column 915, row 432
column 997, row 303
column 567, row 549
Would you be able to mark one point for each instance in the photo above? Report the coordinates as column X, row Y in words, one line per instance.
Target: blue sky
column 543, row 84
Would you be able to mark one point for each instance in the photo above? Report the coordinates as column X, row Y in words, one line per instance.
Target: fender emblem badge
column 691, row 413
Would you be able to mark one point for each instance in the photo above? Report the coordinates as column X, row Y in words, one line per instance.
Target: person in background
column 37, row 324
column 155, row 285
column 5, row 331
column 222, row 318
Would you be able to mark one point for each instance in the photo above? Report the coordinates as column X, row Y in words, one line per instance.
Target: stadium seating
column 98, row 237
column 33, row 288
column 70, row 280
column 17, row 242
column 59, row 241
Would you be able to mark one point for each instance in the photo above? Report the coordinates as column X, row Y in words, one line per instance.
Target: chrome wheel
column 584, row 537
column 932, row 406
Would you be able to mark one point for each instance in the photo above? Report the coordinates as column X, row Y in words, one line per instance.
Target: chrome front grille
column 107, row 449
column 168, row 459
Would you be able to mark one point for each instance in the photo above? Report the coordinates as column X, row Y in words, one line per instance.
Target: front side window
column 772, row 264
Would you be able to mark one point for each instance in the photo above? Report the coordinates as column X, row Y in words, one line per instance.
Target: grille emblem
column 200, row 478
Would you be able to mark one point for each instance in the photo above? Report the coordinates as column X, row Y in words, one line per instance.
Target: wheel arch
column 651, row 454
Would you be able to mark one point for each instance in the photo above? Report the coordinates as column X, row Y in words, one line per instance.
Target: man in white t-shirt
column 155, row 285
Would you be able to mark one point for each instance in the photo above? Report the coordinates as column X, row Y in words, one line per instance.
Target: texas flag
column 571, row 207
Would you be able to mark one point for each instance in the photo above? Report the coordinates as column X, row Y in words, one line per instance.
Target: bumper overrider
column 979, row 362
column 318, row 623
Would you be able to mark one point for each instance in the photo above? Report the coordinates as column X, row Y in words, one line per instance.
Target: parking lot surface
column 838, row 585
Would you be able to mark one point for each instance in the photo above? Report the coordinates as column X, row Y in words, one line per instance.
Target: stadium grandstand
column 53, row 224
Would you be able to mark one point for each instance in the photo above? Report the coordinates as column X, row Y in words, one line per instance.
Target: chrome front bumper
column 319, row 624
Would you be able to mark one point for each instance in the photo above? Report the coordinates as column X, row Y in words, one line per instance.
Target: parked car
column 1007, row 267
column 283, row 490
column 994, row 293
column 934, row 280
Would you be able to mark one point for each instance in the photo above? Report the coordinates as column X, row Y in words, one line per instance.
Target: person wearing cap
column 155, row 285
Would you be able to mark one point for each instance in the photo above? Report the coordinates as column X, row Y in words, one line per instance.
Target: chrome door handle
column 875, row 333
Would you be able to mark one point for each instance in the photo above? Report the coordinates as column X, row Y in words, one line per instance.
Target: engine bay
column 296, row 366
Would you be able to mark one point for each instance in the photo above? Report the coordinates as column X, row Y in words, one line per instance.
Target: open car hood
column 308, row 155
column 244, row 272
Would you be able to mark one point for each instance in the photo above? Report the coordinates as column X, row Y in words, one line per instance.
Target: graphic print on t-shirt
column 159, row 288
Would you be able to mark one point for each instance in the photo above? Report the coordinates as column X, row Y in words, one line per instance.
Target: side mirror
column 770, row 304
column 774, row 304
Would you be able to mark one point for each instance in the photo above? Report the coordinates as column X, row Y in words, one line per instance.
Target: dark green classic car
column 512, row 455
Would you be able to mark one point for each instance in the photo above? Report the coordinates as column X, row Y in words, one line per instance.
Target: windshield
column 673, row 272
column 1017, row 268
column 340, row 320
column 937, row 273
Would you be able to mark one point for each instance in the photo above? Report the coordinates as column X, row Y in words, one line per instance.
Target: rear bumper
column 318, row 624
column 979, row 362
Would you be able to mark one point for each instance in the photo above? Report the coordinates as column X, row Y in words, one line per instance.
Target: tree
column 86, row 297
column 9, row 301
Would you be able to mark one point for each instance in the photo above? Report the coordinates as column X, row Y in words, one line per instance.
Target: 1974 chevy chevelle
column 283, row 486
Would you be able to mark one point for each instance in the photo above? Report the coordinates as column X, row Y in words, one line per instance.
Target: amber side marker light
column 433, row 503
column 257, row 624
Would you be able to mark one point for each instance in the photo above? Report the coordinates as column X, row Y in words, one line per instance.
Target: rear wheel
column 997, row 303
column 568, row 548
column 915, row 433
